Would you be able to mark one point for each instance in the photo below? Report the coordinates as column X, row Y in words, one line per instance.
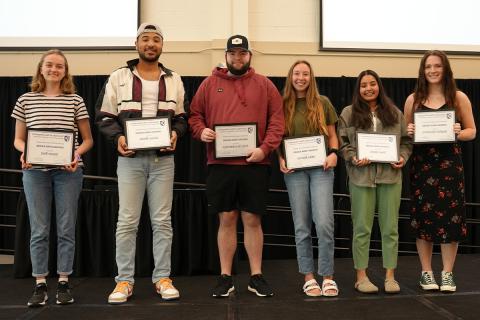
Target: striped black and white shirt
column 61, row 112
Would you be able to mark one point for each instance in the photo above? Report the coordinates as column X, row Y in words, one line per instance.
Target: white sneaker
column 448, row 285
column 123, row 290
column 166, row 289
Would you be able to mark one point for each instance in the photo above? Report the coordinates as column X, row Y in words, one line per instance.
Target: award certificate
column 148, row 133
column 234, row 140
column 305, row 152
column 434, row 126
column 377, row 147
column 49, row 147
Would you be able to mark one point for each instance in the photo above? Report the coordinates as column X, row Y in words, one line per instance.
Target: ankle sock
column 61, row 278
column 38, row 281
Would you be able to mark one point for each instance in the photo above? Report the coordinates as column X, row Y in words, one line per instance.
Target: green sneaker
column 427, row 281
column 448, row 285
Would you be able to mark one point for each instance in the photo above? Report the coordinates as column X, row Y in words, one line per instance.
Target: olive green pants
column 364, row 200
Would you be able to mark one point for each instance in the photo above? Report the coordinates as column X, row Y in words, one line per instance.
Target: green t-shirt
column 299, row 126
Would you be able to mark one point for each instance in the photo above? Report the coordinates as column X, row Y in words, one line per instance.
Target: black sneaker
column 64, row 294
column 224, row 286
column 39, row 296
column 259, row 286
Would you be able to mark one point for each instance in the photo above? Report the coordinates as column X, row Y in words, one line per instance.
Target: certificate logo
column 250, row 130
column 390, row 139
column 449, row 116
column 162, row 123
column 66, row 138
column 318, row 141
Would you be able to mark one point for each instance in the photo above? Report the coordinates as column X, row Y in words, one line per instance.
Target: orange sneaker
column 123, row 290
column 166, row 290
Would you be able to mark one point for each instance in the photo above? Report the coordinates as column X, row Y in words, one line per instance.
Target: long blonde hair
column 315, row 116
column 38, row 81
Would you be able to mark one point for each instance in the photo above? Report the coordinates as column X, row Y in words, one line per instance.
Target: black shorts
column 237, row 187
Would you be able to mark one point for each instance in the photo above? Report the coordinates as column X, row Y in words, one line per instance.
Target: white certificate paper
column 148, row 133
column 49, row 147
column 434, row 126
column 305, row 152
column 234, row 140
column 377, row 147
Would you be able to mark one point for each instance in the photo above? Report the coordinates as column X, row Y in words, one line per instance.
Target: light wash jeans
column 311, row 198
column 40, row 187
column 155, row 174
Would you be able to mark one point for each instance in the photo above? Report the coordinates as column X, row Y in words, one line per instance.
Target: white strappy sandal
column 311, row 285
column 329, row 285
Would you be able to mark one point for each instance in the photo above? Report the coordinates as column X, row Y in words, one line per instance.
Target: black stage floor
column 288, row 303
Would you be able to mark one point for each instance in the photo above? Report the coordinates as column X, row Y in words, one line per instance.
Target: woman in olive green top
column 311, row 190
column 373, row 185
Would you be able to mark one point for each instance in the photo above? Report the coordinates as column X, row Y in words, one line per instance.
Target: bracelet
column 332, row 150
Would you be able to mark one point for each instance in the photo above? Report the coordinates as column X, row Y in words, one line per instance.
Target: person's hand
column 330, row 161
column 283, row 166
column 25, row 165
column 173, row 143
column 399, row 164
column 457, row 127
column 72, row 167
column 411, row 129
column 208, row 135
column 255, row 155
column 122, row 147
column 360, row 163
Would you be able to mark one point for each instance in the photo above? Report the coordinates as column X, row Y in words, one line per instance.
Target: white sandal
column 311, row 285
column 329, row 284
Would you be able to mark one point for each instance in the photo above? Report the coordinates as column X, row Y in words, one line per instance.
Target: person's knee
column 251, row 221
column 228, row 219
column 303, row 231
column 126, row 225
column 362, row 238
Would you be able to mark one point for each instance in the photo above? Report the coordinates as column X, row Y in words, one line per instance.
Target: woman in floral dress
column 437, row 177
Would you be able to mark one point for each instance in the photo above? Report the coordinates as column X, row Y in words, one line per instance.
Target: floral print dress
column 438, row 192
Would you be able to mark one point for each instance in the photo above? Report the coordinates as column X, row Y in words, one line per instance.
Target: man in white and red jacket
column 238, row 186
column 143, row 89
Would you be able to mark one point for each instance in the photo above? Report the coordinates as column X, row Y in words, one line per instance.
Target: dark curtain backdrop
column 190, row 164
column 193, row 249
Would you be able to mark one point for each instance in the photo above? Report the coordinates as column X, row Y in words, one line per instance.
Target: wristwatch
column 332, row 150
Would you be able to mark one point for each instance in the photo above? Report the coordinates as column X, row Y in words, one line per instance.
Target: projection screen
column 68, row 24
column 407, row 25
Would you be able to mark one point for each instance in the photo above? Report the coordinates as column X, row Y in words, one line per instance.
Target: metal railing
column 339, row 200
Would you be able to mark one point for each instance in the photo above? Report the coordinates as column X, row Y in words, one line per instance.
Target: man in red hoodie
column 237, row 186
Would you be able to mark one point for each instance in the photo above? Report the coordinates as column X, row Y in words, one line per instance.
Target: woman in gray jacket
column 373, row 184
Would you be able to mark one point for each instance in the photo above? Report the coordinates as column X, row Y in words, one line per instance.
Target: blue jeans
column 311, row 198
column 155, row 174
column 65, row 187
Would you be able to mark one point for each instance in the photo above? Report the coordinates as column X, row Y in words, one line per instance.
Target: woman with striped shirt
column 52, row 104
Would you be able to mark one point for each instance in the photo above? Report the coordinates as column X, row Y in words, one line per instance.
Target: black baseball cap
column 237, row 41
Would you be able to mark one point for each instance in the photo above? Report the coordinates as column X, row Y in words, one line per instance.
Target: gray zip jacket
column 374, row 173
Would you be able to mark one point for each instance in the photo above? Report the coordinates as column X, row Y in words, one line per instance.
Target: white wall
column 280, row 32
column 284, row 20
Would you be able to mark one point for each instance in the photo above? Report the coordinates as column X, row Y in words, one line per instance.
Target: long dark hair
column 448, row 82
column 361, row 111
